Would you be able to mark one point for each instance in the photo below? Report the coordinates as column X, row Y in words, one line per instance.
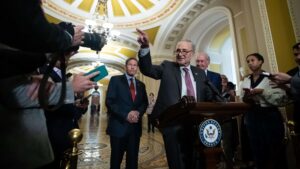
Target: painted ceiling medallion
column 122, row 13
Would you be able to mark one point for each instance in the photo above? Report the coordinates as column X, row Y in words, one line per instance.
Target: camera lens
column 94, row 41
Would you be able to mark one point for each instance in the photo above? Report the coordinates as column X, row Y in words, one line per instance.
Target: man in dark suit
column 174, row 84
column 126, row 103
column 202, row 62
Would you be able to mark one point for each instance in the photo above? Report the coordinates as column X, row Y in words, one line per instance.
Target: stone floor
column 95, row 146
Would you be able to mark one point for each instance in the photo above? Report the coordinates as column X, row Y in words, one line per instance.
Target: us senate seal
column 210, row 133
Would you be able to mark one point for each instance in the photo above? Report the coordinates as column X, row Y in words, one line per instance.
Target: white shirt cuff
column 144, row 52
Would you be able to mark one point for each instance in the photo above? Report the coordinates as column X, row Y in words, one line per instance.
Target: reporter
column 27, row 36
column 24, row 138
column 24, row 40
column 292, row 86
column 65, row 118
column 27, row 28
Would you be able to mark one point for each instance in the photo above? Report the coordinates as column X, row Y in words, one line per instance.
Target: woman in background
column 263, row 121
column 151, row 104
column 228, row 89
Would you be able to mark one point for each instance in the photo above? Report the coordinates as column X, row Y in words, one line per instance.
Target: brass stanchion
column 295, row 138
column 71, row 155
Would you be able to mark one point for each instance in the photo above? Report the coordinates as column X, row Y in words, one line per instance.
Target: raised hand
column 142, row 39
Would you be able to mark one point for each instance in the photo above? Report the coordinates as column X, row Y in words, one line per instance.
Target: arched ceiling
column 165, row 21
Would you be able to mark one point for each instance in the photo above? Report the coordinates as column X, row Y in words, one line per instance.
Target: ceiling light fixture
column 99, row 23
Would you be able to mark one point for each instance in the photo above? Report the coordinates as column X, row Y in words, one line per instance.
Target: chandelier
column 100, row 24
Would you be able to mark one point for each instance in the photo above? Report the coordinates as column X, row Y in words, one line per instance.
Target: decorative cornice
column 268, row 35
column 177, row 32
column 295, row 21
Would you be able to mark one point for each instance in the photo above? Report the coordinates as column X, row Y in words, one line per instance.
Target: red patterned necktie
column 188, row 83
column 132, row 90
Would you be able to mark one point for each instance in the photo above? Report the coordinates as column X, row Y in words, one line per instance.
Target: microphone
column 215, row 91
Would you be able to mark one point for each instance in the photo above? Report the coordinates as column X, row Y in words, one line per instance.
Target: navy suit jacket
column 215, row 78
column 119, row 103
column 170, row 85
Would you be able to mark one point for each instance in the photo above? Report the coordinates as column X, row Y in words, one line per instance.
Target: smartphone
column 103, row 72
column 266, row 74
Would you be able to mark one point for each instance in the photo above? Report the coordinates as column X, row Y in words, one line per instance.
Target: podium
column 189, row 111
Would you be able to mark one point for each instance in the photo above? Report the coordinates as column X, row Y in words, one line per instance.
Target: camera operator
column 25, row 37
column 24, row 138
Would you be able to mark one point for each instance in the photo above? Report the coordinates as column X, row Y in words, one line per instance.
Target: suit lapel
column 178, row 77
column 137, row 92
column 209, row 75
column 126, row 87
column 197, row 80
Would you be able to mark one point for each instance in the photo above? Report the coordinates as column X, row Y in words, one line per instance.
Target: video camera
column 93, row 41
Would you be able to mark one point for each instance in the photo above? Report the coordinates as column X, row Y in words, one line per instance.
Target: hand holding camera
column 94, row 41
column 78, row 35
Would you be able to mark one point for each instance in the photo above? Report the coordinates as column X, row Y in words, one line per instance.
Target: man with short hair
column 202, row 62
column 177, row 79
column 294, row 88
column 126, row 103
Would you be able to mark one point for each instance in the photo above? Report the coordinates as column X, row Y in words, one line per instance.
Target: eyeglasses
column 184, row 52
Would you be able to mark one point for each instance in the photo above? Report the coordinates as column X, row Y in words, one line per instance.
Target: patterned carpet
column 95, row 147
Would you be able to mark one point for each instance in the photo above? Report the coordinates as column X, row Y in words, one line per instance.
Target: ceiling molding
column 174, row 30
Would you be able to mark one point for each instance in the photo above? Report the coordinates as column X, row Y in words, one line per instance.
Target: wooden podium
column 187, row 110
